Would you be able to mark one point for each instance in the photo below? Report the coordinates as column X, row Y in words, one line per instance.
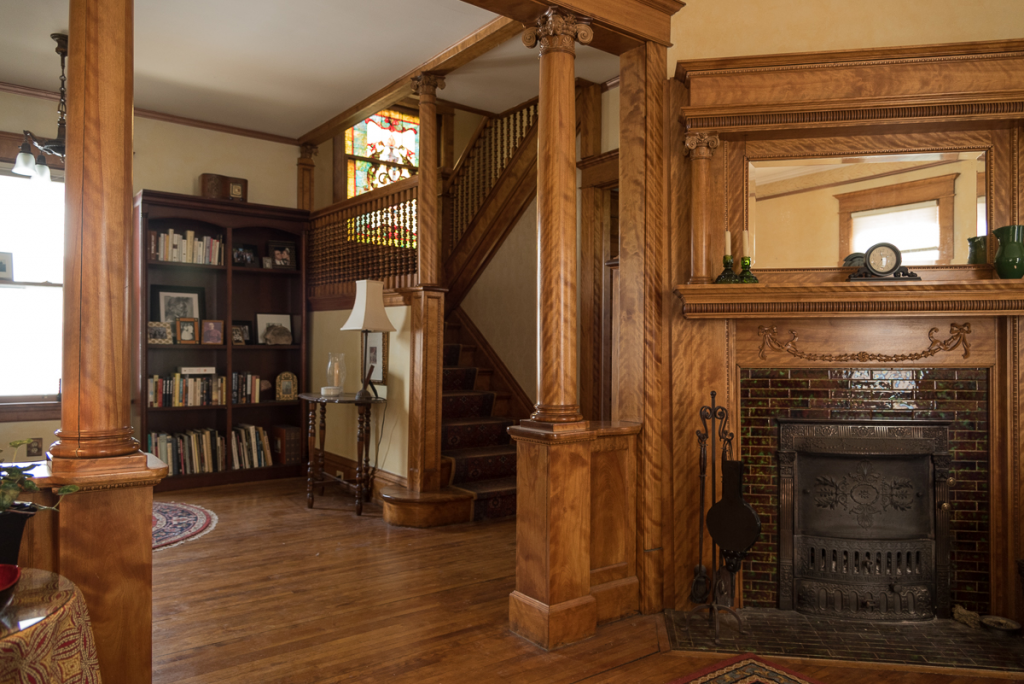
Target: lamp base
column 330, row 391
column 364, row 395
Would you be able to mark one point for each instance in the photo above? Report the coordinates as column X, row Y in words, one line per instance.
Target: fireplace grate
column 888, row 580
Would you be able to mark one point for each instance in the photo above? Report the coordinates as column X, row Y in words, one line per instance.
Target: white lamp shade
column 42, row 170
column 368, row 313
column 24, row 164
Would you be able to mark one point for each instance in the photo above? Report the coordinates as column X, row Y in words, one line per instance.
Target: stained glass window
column 381, row 150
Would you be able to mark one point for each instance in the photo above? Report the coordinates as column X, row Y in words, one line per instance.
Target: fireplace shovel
column 699, row 591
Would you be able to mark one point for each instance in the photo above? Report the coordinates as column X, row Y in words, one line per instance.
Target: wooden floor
column 281, row 593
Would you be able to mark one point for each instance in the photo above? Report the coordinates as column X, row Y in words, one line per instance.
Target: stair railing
column 479, row 170
column 370, row 236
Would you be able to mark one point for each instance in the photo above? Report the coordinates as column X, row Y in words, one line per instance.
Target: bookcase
column 203, row 258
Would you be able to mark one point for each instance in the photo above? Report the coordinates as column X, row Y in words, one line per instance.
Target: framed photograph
column 187, row 331
column 283, row 254
column 213, row 331
column 167, row 303
column 274, row 328
column 6, row 265
column 268, row 262
column 159, row 333
column 375, row 353
column 287, row 388
column 245, row 255
column 241, row 332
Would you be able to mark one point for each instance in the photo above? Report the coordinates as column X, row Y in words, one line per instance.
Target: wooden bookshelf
column 228, row 292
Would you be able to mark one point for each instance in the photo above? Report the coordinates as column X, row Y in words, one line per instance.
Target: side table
column 315, row 473
column 45, row 633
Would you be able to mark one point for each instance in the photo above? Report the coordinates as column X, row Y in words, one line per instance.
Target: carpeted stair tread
column 481, row 463
column 488, row 488
column 465, row 404
column 507, row 420
column 455, row 378
column 474, row 452
column 464, row 433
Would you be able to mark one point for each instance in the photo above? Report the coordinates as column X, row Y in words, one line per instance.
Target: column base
column 557, row 414
column 552, row 626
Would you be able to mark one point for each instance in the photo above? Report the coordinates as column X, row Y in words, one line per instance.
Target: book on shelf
column 197, row 370
column 245, row 388
column 187, row 248
column 191, row 452
column 178, row 390
column 285, row 444
column 250, row 447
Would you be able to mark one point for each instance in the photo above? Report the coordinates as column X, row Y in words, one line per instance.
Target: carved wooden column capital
column 427, row 83
column 701, row 145
column 558, row 31
column 308, row 151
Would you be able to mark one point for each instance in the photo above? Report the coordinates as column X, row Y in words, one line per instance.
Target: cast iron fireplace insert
column 864, row 518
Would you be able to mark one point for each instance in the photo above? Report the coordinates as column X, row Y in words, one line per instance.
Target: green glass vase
column 976, row 250
column 1009, row 259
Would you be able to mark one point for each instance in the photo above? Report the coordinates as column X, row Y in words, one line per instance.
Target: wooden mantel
column 927, row 298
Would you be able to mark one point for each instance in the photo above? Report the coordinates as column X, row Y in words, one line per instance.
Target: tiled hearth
column 958, row 395
column 769, row 632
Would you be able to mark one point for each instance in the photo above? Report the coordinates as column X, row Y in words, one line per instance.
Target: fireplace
column 864, row 518
column 875, row 395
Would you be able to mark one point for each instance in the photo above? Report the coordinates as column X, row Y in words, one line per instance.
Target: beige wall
column 466, row 124
column 341, row 419
column 610, row 120
column 503, row 302
column 728, row 28
column 171, row 157
column 802, row 230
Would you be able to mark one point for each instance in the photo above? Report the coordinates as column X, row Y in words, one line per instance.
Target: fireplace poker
column 699, row 590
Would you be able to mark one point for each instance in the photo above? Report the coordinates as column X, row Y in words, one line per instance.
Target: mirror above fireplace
column 813, row 212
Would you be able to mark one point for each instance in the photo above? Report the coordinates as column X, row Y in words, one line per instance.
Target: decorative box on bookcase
column 204, row 258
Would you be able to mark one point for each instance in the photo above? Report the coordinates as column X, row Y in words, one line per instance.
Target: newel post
column 427, row 352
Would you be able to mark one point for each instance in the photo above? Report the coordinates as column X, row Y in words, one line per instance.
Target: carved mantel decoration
column 957, row 338
column 558, row 31
column 701, row 145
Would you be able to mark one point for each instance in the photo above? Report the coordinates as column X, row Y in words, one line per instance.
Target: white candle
column 746, row 243
column 728, row 243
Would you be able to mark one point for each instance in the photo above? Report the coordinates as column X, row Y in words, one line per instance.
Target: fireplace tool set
column 732, row 524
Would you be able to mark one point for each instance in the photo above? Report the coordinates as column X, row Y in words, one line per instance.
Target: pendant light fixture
column 24, row 163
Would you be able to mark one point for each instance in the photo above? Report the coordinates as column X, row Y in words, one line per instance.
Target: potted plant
column 14, row 514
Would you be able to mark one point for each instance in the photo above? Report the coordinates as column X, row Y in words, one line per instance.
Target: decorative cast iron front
column 864, row 523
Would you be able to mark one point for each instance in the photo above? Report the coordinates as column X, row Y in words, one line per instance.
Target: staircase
column 474, row 429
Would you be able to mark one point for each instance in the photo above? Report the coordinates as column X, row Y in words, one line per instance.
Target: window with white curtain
column 913, row 228
column 31, row 288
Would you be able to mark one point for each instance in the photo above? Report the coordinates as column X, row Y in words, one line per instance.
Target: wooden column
column 701, row 146
column 644, row 298
column 339, row 169
column 556, row 216
column 427, row 359
column 104, row 531
column 593, row 207
column 552, row 605
column 306, row 167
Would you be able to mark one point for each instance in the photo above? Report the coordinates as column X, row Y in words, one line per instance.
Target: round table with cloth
column 45, row 634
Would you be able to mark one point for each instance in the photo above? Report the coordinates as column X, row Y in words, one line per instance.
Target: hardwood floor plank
column 282, row 593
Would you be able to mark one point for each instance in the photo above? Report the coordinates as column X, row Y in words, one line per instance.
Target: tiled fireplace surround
column 959, row 395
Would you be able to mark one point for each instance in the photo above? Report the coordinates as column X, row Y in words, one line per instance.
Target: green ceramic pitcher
column 1009, row 259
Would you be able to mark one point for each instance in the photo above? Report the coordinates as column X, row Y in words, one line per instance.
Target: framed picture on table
column 375, row 353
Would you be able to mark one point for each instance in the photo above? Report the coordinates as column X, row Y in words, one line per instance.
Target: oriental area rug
column 744, row 669
column 177, row 523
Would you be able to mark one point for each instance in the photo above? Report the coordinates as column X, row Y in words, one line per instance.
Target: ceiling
column 284, row 67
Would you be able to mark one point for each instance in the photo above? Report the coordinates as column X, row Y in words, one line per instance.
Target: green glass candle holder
column 728, row 275
column 745, row 275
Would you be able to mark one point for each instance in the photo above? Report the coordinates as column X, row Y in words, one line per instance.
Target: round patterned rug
column 177, row 523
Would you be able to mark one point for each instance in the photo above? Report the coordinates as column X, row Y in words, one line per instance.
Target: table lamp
column 368, row 315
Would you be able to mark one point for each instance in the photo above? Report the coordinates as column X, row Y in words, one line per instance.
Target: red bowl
column 9, row 576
